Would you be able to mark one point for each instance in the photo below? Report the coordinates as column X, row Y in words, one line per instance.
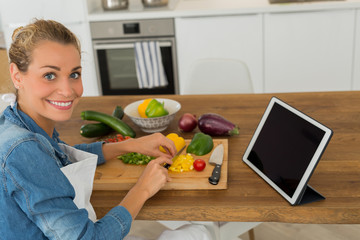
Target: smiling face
column 51, row 87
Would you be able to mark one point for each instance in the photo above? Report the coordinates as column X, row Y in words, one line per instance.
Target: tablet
column 285, row 149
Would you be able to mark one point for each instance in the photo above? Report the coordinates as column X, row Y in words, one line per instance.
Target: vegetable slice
column 183, row 163
column 135, row 158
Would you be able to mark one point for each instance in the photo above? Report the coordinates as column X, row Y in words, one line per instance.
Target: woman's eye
column 50, row 76
column 75, row 75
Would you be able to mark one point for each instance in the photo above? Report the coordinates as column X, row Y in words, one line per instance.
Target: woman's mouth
column 62, row 105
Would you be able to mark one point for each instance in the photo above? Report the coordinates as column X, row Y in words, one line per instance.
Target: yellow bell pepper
column 183, row 163
column 142, row 107
column 178, row 141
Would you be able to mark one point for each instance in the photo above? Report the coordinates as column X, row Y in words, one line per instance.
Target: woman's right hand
column 154, row 177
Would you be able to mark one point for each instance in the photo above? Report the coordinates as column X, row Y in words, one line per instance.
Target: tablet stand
column 309, row 195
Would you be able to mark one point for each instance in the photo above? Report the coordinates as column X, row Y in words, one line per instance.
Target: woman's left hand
column 149, row 145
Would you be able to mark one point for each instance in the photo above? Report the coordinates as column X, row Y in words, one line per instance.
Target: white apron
column 81, row 176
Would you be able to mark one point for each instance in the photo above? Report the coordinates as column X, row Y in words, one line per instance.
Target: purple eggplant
column 216, row 125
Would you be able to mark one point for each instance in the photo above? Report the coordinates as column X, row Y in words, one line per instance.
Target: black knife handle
column 215, row 176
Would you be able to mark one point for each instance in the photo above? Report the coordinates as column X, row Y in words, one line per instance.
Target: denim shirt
column 36, row 199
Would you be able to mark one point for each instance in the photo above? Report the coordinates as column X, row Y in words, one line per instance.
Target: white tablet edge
column 309, row 170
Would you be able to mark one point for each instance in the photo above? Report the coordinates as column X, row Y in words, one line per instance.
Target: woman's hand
column 153, row 178
column 149, row 145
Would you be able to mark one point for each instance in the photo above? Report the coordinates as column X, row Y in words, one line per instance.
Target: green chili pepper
column 201, row 144
column 135, row 158
column 155, row 109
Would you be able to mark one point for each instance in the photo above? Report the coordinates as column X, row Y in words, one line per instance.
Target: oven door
column 116, row 67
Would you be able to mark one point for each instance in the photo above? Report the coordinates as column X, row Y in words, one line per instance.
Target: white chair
column 218, row 76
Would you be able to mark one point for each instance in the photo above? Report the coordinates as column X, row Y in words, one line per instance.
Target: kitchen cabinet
column 73, row 14
column 356, row 75
column 88, row 74
column 220, row 37
column 309, row 51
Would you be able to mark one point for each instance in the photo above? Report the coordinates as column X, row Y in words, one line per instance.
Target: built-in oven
column 116, row 61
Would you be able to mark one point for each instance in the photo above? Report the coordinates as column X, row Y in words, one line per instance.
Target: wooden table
column 248, row 198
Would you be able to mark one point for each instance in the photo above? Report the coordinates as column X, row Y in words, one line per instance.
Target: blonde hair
column 25, row 39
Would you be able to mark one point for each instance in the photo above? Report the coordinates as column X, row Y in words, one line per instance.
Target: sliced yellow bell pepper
column 178, row 141
column 142, row 107
column 183, row 163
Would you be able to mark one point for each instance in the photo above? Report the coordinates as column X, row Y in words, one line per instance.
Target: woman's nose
column 65, row 87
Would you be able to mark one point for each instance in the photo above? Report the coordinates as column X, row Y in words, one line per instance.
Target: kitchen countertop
column 197, row 8
column 247, row 197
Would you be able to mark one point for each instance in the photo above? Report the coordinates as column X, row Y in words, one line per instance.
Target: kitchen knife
column 217, row 159
column 166, row 165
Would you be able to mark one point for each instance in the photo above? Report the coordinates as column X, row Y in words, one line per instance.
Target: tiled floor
column 150, row 230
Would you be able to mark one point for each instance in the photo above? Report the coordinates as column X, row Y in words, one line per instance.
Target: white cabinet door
column 68, row 12
column 22, row 11
column 309, row 51
column 16, row 13
column 230, row 37
column 88, row 73
column 356, row 76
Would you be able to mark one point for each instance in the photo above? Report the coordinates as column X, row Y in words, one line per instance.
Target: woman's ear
column 15, row 75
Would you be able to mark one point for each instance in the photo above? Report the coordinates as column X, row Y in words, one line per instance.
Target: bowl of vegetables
column 153, row 114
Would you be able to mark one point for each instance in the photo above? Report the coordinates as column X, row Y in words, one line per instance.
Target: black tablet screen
column 285, row 147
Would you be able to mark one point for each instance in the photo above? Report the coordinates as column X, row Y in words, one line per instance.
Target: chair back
column 218, row 76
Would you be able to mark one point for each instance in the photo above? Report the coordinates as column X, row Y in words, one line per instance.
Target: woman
column 37, row 186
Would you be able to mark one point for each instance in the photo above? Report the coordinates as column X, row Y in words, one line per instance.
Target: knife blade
column 217, row 159
column 166, row 165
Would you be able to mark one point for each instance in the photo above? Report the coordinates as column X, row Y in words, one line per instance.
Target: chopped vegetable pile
column 183, row 163
column 135, row 158
column 116, row 138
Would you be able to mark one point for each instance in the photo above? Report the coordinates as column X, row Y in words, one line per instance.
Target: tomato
column 199, row 165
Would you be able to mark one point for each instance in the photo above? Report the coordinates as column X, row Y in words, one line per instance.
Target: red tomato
column 199, row 164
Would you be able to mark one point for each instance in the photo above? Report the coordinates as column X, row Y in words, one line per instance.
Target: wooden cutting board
column 116, row 175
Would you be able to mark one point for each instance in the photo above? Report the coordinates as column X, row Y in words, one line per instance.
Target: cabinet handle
column 104, row 46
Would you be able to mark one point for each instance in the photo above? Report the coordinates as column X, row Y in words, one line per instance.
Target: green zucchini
column 100, row 129
column 113, row 122
column 95, row 130
column 118, row 112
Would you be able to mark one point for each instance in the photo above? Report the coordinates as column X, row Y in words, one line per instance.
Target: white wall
column 1, row 29
column 2, row 40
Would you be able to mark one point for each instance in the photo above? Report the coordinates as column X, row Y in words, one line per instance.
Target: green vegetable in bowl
column 155, row 109
column 135, row 158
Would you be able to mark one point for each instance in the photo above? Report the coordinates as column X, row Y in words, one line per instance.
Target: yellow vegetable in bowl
column 142, row 107
column 183, row 163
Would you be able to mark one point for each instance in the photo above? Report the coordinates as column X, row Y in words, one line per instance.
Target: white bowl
column 157, row 124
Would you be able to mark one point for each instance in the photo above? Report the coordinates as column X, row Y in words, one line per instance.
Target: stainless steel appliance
column 114, row 48
column 114, row 4
column 154, row 3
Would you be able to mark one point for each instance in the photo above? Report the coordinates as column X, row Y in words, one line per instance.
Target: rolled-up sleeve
column 116, row 222
column 95, row 148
